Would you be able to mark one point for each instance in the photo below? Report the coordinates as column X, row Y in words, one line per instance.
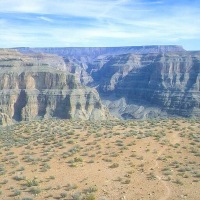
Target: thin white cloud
column 46, row 19
column 149, row 3
column 22, row 6
column 127, row 21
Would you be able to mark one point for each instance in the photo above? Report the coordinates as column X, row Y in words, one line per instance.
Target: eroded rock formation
column 137, row 82
column 167, row 83
column 43, row 91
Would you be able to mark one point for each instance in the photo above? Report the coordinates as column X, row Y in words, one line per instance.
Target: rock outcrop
column 137, row 82
column 79, row 59
column 150, row 84
column 35, row 91
column 5, row 120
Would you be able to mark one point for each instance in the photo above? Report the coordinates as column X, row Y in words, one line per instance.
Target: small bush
column 90, row 197
column 114, row 165
column 63, row 194
column 35, row 190
column 17, row 193
column 31, row 183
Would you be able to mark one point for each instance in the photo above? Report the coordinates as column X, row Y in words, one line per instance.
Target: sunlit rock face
column 78, row 60
column 30, row 90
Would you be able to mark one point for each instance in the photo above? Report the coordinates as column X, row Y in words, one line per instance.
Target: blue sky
column 71, row 23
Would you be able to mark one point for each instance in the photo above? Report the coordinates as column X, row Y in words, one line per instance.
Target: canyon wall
column 169, row 83
column 137, row 82
column 33, row 91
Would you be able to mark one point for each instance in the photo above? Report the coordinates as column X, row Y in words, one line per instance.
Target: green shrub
column 17, row 193
column 63, row 194
column 90, row 197
column 35, row 190
column 114, row 165
column 30, row 183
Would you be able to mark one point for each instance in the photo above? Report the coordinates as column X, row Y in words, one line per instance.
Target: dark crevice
column 19, row 105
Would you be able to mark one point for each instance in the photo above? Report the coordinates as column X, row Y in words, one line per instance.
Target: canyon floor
column 104, row 160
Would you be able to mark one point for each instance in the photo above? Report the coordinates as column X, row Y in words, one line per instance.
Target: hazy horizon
column 96, row 46
column 93, row 23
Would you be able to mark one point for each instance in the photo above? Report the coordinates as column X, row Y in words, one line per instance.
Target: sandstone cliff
column 79, row 59
column 34, row 91
column 137, row 82
column 150, row 84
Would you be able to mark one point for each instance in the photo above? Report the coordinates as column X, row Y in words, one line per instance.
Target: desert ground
column 104, row 160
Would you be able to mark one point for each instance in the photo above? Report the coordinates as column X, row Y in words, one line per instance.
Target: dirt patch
column 62, row 159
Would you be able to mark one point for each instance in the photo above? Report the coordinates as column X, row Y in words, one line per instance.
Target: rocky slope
column 137, row 82
column 30, row 90
column 78, row 59
column 150, row 84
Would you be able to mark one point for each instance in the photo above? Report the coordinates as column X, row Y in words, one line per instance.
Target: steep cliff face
column 79, row 59
column 41, row 91
column 137, row 82
column 15, row 59
column 169, row 82
column 79, row 68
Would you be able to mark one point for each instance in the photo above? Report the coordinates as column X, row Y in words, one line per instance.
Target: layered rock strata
column 168, row 82
column 137, row 82
column 41, row 91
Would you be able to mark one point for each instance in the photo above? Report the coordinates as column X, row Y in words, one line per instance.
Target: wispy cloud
column 47, row 19
column 21, row 6
column 99, row 23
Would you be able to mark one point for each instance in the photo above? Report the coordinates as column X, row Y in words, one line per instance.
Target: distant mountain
column 93, row 52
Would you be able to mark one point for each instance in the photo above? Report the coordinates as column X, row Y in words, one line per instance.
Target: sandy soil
column 132, row 160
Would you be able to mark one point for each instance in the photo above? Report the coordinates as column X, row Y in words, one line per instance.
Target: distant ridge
column 96, row 51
